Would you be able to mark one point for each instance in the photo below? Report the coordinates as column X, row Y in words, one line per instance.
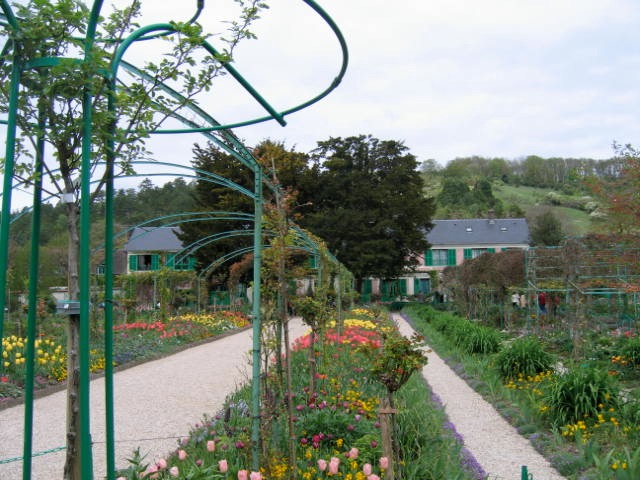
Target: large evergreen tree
column 367, row 203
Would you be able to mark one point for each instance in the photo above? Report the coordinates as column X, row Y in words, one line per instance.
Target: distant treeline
column 533, row 171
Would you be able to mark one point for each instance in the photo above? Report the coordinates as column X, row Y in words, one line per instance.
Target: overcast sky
column 449, row 78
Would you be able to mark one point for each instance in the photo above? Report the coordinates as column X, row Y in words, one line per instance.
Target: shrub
column 523, row 357
column 630, row 350
column 578, row 394
column 481, row 340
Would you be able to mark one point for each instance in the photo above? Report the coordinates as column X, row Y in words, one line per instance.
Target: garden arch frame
column 223, row 137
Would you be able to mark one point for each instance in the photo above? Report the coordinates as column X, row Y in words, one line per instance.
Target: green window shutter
column 491, row 250
column 428, row 258
column 367, row 285
column 451, row 257
column 133, row 263
column 416, row 285
column 192, row 263
column 403, row 286
column 155, row 262
column 468, row 253
column 171, row 260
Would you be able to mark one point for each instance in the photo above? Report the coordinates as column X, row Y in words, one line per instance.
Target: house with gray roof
column 452, row 242
column 152, row 248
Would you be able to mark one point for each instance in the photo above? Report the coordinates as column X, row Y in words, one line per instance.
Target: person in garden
column 555, row 303
column 515, row 299
column 523, row 300
column 542, row 303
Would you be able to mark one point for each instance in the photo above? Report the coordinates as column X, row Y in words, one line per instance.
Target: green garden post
column 86, row 460
column 108, row 295
column 257, row 327
column 33, row 306
column 9, row 165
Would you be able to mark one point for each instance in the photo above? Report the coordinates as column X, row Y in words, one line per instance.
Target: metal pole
column 257, row 263
column 108, row 297
column 9, row 165
column 33, row 304
column 86, row 458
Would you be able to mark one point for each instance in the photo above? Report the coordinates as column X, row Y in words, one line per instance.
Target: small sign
column 68, row 307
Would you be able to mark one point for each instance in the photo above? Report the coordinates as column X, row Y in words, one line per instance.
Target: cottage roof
column 479, row 231
column 148, row 239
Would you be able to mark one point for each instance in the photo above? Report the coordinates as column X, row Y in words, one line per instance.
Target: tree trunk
column 72, row 469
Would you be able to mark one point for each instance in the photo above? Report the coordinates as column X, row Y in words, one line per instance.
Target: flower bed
column 132, row 342
column 336, row 425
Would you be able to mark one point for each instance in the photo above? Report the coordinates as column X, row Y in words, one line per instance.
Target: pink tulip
column 384, row 463
column 334, row 464
column 182, row 454
column 162, row 464
column 211, row 446
column 255, row 476
column 174, row 472
column 353, row 453
column 223, row 466
column 322, row 465
column 243, row 475
column 373, row 477
column 367, row 469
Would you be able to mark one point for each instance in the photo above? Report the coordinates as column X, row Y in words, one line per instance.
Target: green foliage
column 470, row 337
column 579, row 393
column 630, row 350
column 479, row 339
column 546, row 230
column 396, row 360
column 348, row 173
column 523, row 357
column 618, row 464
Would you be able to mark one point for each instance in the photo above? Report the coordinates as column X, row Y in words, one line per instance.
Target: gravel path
column 495, row 444
column 158, row 402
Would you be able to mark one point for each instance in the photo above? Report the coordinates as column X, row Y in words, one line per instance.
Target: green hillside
column 532, row 201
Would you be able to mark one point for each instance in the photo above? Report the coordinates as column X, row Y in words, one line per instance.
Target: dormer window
column 503, row 229
column 469, row 229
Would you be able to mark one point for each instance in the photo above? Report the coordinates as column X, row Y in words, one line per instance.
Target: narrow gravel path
column 495, row 444
column 156, row 403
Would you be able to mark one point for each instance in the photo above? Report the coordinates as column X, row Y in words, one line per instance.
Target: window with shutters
column 440, row 257
column 145, row 262
column 470, row 253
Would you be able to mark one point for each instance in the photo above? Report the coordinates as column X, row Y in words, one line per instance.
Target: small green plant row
column 471, row 338
column 581, row 402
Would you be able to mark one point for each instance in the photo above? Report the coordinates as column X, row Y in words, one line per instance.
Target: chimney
column 492, row 216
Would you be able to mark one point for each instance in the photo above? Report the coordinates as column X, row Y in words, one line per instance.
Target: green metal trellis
column 223, row 137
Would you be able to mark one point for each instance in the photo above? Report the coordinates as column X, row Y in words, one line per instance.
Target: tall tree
column 366, row 201
column 54, row 96
column 285, row 169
